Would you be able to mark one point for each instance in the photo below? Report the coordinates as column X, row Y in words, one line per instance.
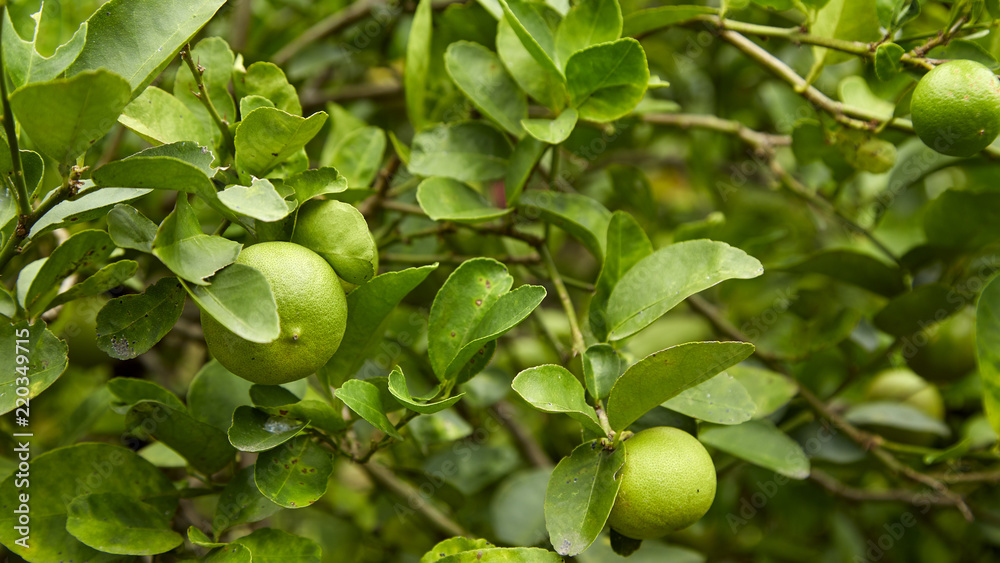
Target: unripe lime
column 950, row 349
column 668, row 483
column 956, row 108
column 903, row 386
column 312, row 313
column 338, row 232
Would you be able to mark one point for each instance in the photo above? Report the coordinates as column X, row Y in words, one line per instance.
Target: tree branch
column 198, row 72
column 414, row 499
column 579, row 346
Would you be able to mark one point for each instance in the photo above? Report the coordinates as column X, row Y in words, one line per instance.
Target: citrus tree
column 499, row 280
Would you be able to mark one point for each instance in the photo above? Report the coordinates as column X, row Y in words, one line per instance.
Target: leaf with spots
column 119, row 524
column 580, row 495
column 504, row 555
column 82, row 250
column 268, row 545
column 254, row 430
column 132, row 324
column 452, row 546
column 472, row 308
column 294, row 474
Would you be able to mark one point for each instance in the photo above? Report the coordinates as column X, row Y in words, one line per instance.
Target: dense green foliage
column 557, row 224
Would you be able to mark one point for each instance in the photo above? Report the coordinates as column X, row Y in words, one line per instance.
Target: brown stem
column 522, row 436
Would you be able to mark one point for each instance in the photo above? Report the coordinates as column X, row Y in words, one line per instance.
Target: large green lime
column 338, row 232
column 312, row 312
column 956, row 108
column 668, row 483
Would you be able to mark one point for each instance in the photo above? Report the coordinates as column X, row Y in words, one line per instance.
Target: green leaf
column 965, row 49
column 517, row 509
column 240, row 298
column 504, row 555
column 56, row 478
column 531, row 28
column 137, row 39
column 626, row 244
column 358, row 156
column 580, row 496
column 472, row 308
column 588, row 23
column 850, row 20
column 895, row 415
column 641, row 22
column 770, row 391
column 268, row 136
column 24, row 64
column 129, row 228
column 82, row 250
column 269, row 81
column 294, row 474
column 538, row 81
column 722, row 400
column 445, row 199
column 46, row 356
column 644, row 294
column 128, row 392
column 90, row 204
column 130, row 325
column 177, row 166
column 269, row 545
column 916, row 309
column 253, row 430
column 160, row 118
column 241, row 503
column 961, row 220
column 64, row 117
column 470, row 474
column 259, row 201
column 216, row 58
column 199, row 538
column 481, row 76
column 418, row 54
column 856, row 268
column 452, row 546
column 553, row 388
column 252, row 102
column 205, row 447
column 552, row 131
column 229, row 553
column 888, row 61
column 399, row 390
column 272, row 396
column 319, row 181
column 760, row 443
column 663, row 375
column 119, row 524
column 988, row 350
column 602, row 366
column 338, row 232
column 471, row 151
column 365, row 399
column 580, row 216
column 608, row 80
column 854, row 90
column 215, row 393
column 107, row 278
column 526, row 155
column 184, row 248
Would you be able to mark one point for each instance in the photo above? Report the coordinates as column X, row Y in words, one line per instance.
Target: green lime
column 668, row 483
column 949, row 351
column 338, row 232
column 312, row 312
column 903, row 386
column 956, row 108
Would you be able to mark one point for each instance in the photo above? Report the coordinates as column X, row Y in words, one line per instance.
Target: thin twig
column 331, row 24
column 838, row 488
column 579, row 346
column 454, row 258
column 524, row 438
column 381, row 186
column 198, row 72
column 414, row 500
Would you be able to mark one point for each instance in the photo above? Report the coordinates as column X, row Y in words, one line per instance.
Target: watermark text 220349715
column 22, row 414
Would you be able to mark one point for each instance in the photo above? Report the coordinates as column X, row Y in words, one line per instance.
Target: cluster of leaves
column 530, row 146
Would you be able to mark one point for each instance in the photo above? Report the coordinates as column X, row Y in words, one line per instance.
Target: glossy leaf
column 215, row 393
column 253, row 430
column 22, row 61
column 854, row 268
column 446, row 199
column 770, row 391
column 988, row 350
column 606, row 81
column 269, row 545
column 184, row 248
column 119, row 524
column 46, row 356
column 640, row 22
column 139, row 38
column 721, row 399
column 626, row 244
column 602, row 366
column 760, row 443
column 580, row 216
column 160, row 118
column 452, row 546
column 588, row 23
column 553, row 388
column 644, row 294
column 580, row 496
column 534, row 33
column 540, row 82
column 851, row 20
column 240, row 298
column 661, row 376
column 161, row 172
column 241, row 502
column 89, row 205
column 552, row 131
column 109, row 277
column 82, row 250
column 267, row 80
column 259, row 201
column 504, row 555
column 377, row 299
column 470, row 152
column 129, row 228
column 365, row 399
column 319, row 181
column 399, row 390
column 65, row 116
column 888, row 62
column 269, row 136
column 895, row 415
column 294, row 474
column 481, row 76
column 130, row 325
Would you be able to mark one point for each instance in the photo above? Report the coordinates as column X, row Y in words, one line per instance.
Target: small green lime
column 949, row 351
column 903, row 386
column 312, row 313
column 956, row 108
column 668, row 483
column 338, row 232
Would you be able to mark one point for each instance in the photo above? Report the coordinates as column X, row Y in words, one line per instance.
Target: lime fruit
column 956, row 108
column 338, row 232
column 950, row 350
column 668, row 483
column 312, row 313
column 903, row 386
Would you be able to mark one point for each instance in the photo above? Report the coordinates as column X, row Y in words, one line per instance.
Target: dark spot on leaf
column 282, row 412
column 479, row 302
